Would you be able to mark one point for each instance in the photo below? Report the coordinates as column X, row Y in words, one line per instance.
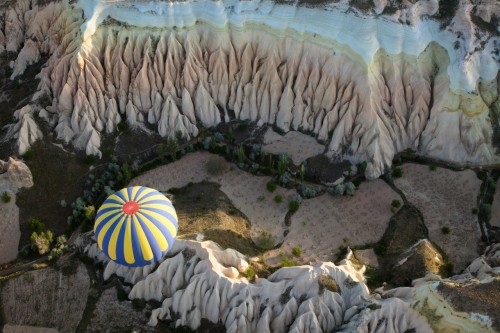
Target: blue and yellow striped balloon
column 136, row 226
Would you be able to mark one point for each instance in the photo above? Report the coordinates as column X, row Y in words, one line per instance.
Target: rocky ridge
column 365, row 97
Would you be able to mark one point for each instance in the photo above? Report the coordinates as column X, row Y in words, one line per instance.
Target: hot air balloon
column 136, row 226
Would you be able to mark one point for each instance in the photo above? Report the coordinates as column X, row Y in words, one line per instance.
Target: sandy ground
column 9, row 230
column 27, row 329
column 242, row 188
column 446, row 198
column 299, row 146
column 495, row 214
column 323, row 224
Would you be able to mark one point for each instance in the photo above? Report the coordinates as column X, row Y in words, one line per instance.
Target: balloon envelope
column 136, row 226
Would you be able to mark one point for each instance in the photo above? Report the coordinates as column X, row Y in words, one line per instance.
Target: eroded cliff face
column 196, row 281
column 367, row 87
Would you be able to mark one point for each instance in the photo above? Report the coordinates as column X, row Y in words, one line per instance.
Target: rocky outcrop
column 199, row 280
column 462, row 303
column 349, row 79
column 14, row 175
column 47, row 298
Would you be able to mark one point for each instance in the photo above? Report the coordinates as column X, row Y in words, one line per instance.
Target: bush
column 250, row 273
column 308, row 192
column 396, row 203
column 282, row 164
column 287, row 262
column 89, row 212
column 485, row 212
column 63, row 203
column 350, row 188
column 41, row 241
column 296, row 251
column 433, row 167
column 397, row 172
column 240, row 154
column 271, row 186
column 5, row 197
column 362, row 167
column 215, row 166
column 265, row 241
column 474, row 211
column 445, row 230
column 278, row 199
column 337, row 191
column 35, row 225
column 218, row 137
column 293, row 206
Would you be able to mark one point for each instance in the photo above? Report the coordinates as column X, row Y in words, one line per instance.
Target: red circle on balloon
column 130, row 208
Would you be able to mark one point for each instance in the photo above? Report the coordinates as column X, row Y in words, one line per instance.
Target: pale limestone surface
column 14, row 175
column 332, row 222
column 10, row 232
column 59, row 299
column 446, row 198
column 298, row 146
column 242, row 188
column 495, row 214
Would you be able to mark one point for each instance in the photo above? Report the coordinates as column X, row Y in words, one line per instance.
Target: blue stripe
column 150, row 194
column 129, row 191
column 138, row 194
column 107, row 237
column 157, row 223
column 121, row 196
column 163, row 213
column 152, row 241
column 120, row 252
column 136, row 246
column 109, row 200
column 105, row 221
column 157, row 201
column 107, row 210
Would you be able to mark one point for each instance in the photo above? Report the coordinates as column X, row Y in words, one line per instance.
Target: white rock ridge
column 14, row 175
column 368, row 86
column 199, row 280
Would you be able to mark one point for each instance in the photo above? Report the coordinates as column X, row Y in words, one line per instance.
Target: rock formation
column 13, row 176
column 367, row 86
column 199, row 280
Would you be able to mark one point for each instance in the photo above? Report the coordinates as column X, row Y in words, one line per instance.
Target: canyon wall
column 367, row 86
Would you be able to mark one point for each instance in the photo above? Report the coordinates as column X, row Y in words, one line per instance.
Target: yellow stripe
column 110, row 205
column 157, row 234
column 127, row 246
column 115, row 197
column 163, row 220
column 134, row 192
column 104, row 231
column 104, row 216
column 143, row 193
column 164, row 208
column 114, row 238
column 147, row 254
column 124, row 192
column 153, row 197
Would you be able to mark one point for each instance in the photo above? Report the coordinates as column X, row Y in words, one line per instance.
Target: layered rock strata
column 367, row 87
